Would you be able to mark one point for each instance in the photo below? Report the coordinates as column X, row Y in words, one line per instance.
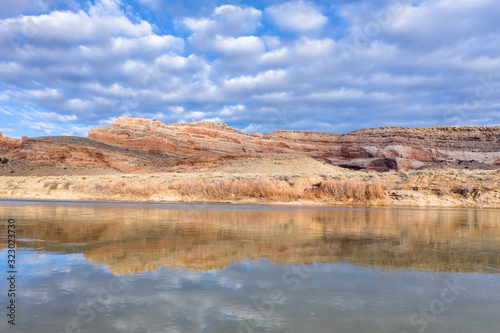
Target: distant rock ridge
column 379, row 149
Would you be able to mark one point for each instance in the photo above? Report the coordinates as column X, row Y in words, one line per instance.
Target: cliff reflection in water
column 205, row 237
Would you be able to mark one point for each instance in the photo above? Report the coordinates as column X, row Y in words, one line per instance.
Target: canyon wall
column 380, row 149
column 142, row 145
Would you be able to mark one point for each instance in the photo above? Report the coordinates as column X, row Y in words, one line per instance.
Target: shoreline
column 235, row 204
column 421, row 188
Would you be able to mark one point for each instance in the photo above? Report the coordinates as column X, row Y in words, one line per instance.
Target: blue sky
column 332, row 66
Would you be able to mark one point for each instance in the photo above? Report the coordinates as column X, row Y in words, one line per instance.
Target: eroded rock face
column 181, row 140
column 75, row 151
column 380, row 149
column 40, row 155
column 8, row 143
column 120, row 146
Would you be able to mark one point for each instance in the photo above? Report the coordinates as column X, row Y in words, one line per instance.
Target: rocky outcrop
column 421, row 146
column 142, row 145
column 73, row 151
column 181, row 140
column 380, row 149
column 35, row 156
column 8, row 143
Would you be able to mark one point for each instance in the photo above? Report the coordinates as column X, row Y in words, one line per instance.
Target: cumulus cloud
column 79, row 131
column 85, row 63
column 59, row 27
column 291, row 65
column 12, row 8
column 227, row 33
column 226, row 20
column 296, row 16
column 42, row 127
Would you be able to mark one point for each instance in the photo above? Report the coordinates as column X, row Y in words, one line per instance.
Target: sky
column 67, row 66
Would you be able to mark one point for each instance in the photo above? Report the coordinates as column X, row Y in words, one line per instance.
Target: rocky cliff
column 8, row 143
column 380, row 149
column 58, row 155
column 76, row 151
column 142, row 145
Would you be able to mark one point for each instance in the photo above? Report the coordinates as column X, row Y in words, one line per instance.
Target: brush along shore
column 431, row 188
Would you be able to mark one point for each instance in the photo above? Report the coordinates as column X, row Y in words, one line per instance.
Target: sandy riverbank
column 432, row 188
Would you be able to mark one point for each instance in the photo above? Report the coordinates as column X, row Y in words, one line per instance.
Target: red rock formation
column 180, row 140
column 381, row 149
column 8, row 143
column 74, row 151
column 35, row 154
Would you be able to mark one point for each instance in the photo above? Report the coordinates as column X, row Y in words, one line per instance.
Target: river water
column 127, row 267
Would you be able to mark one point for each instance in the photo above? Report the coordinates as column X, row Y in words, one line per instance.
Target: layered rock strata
column 379, row 149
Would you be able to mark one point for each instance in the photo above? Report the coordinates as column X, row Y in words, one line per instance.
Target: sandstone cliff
column 75, row 151
column 381, row 149
column 66, row 155
column 8, row 143
column 142, row 145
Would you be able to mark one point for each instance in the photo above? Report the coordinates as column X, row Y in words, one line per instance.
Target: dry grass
column 119, row 188
column 466, row 188
column 263, row 188
column 351, row 189
column 51, row 184
column 230, row 189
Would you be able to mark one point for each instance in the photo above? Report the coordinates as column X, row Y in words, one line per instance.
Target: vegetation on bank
column 452, row 188
column 264, row 188
column 261, row 188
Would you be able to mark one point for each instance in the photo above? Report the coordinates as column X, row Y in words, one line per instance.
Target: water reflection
column 100, row 267
column 205, row 237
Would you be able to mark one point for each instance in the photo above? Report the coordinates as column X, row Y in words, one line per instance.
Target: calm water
column 104, row 267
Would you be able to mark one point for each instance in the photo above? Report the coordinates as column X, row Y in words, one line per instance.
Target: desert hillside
column 380, row 149
column 141, row 145
column 63, row 155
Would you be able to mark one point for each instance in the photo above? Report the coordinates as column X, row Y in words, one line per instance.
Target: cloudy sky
column 258, row 65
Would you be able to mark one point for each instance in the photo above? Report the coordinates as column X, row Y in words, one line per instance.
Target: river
column 151, row 267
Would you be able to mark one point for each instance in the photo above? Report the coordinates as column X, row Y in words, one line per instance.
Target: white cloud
column 150, row 45
column 76, row 67
column 297, row 16
column 252, row 128
column 83, row 27
column 316, row 48
column 262, row 82
column 238, row 46
column 427, row 17
column 12, row 8
column 80, row 131
column 52, row 116
column 227, row 20
column 226, row 33
column 45, row 128
column 236, row 20
column 199, row 25
column 5, row 111
column 232, row 110
column 193, row 66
